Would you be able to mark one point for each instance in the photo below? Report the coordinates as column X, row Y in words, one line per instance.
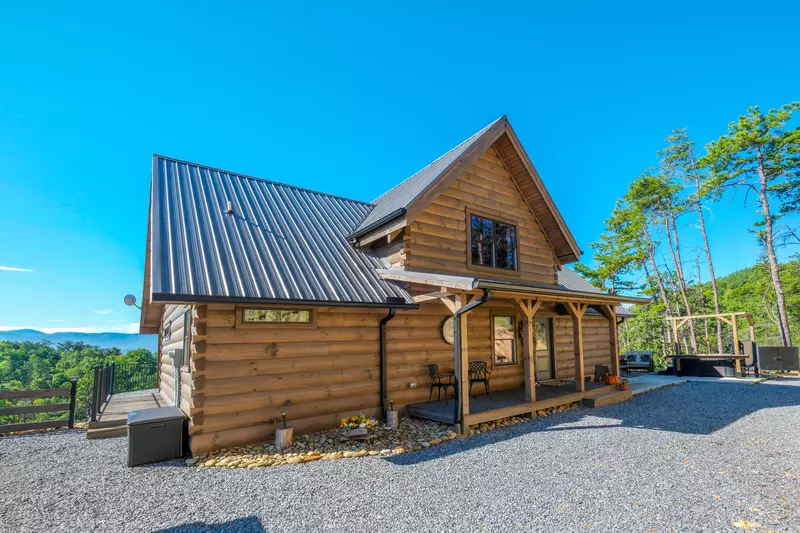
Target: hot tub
column 712, row 366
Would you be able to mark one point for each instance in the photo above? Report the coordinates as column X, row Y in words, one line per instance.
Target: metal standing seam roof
column 281, row 243
column 572, row 281
column 393, row 202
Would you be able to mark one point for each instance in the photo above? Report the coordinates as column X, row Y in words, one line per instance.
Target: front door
column 544, row 368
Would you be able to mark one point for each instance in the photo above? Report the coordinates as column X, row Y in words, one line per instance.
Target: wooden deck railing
column 40, row 408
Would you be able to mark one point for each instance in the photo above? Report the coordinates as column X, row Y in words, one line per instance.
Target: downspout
column 384, row 363
column 457, row 350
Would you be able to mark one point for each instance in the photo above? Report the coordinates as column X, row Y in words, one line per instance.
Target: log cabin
column 270, row 298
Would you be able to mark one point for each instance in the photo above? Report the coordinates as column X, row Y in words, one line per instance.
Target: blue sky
column 348, row 99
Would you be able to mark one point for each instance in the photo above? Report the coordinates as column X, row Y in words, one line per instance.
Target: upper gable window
column 494, row 243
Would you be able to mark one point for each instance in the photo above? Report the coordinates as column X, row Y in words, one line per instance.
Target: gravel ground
column 694, row 457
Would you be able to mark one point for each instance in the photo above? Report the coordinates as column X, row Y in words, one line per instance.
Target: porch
column 505, row 403
column 112, row 420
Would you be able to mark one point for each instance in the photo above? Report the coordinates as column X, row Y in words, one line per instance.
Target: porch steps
column 107, row 432
column 607, row 398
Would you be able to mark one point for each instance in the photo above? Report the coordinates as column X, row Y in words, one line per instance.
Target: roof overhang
column 556, row 292
column 540, row 291
column 161, row 298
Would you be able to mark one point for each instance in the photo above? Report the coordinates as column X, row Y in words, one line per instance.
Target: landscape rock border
column 412, row 435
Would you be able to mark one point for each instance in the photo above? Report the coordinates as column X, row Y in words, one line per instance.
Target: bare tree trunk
column 703, row 304
column 661, row 289
column 669, row 223
column 679, row 313
column 774, row 271
column 708, row 258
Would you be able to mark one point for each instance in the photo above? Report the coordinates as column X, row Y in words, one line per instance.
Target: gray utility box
column 155, row 435
column 778, row 358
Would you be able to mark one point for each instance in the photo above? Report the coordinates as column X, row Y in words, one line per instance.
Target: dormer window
column 494, row 243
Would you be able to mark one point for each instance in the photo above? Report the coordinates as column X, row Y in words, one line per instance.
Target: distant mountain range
column 124, row 341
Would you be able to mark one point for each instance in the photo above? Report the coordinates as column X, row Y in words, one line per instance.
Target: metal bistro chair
column 436, row 381
column 479, row 373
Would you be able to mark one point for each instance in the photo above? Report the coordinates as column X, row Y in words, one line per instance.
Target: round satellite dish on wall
column 447, row 331
column 130, row 299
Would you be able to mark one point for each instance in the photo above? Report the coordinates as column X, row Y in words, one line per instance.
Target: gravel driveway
column 694, row 457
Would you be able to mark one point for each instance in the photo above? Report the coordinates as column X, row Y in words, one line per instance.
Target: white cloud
column 15, row 269
column 104, row 312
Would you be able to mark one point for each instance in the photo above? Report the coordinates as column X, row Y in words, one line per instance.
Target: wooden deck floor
column 117, row 410
column 504, row 403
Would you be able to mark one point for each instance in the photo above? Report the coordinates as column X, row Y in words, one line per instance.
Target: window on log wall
column 504, row 341
column 276, row 316
column 494, row 243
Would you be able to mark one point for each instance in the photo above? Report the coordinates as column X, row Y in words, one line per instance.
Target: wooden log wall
column 595, row 345
column 438, row 238
column 242, row 377
column 173, row 314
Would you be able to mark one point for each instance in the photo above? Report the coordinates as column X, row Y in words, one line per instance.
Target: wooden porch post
column 463, row 374
column 529, row 308
column 576, row 310
column 751, row 326
column 610, row 312
column 461, row 363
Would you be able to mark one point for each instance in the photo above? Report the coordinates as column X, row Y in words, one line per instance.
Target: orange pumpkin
column 612, row 380
column 623, row 386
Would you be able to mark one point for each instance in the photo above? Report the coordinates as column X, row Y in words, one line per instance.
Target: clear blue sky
column 348, row 100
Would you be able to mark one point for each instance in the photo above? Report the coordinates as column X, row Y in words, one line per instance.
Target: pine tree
column 759, row 155
column 680, row 156
column 656, row 196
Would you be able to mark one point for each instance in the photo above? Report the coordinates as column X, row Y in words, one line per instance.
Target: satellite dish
column 130, row 300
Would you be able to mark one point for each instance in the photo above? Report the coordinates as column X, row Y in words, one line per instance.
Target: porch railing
column 117, row 378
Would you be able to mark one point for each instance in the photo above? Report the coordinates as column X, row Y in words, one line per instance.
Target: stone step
column 104, row 433
column 607, row 398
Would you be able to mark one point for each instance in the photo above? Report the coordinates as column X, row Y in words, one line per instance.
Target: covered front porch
column 526, row 391
column 505, row 403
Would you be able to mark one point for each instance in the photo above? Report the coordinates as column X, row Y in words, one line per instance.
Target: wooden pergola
column 729, row 318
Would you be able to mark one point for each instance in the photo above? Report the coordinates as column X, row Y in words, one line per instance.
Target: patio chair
column 436, row 381
column 479, row 373
column 600, row 373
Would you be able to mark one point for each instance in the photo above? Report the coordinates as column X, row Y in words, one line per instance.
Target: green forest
column 643, row 246
column 747, row 290
column 42, row 365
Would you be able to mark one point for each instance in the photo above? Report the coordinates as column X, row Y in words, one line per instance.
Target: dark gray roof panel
column 571, row 280
column 281, row 243
column 395, row 200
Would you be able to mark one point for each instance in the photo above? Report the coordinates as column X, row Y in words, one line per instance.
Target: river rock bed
column 413, row 434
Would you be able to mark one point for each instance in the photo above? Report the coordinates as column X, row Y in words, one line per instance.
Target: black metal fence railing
column 102, row 390
column 131, row 377
column 117, row 378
